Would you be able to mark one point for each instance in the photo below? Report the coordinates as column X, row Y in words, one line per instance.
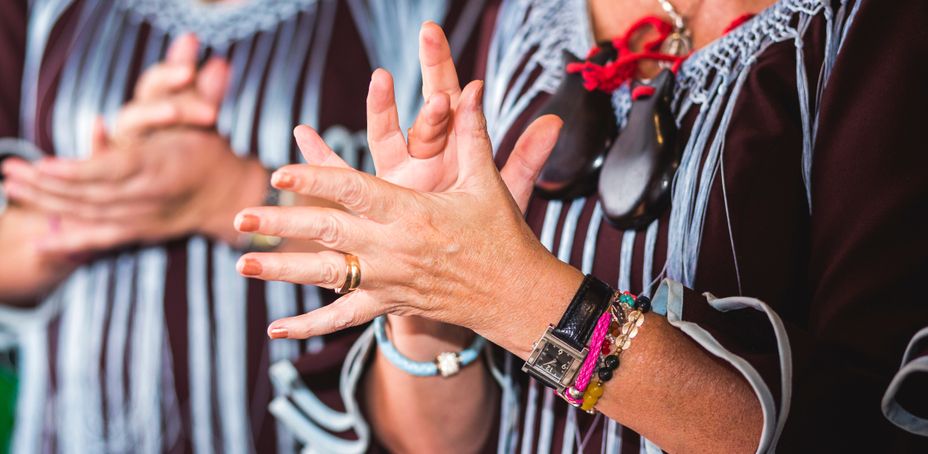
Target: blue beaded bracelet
column 446, row 364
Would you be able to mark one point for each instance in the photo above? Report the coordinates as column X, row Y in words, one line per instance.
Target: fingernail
column 278, row 333
column 248, row 223
column 282, row 180
column 251, row 267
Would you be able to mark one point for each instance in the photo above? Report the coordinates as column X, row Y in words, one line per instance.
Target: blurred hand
column 175, row 182
column 173, row 93
column 162, row 172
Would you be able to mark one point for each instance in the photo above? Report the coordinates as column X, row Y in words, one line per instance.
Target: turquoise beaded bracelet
column 446, row 364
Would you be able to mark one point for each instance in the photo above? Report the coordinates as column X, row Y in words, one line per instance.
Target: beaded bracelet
column 628, row 313
column 446, row 364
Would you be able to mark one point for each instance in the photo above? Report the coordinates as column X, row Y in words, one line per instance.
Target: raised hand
column 428, row 160
column 447, row 255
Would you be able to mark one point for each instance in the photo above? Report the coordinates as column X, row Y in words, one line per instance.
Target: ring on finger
column 352, row 275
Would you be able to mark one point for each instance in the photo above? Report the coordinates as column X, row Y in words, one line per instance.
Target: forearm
column 26, row 274
column 667, row 388
column 430, row 414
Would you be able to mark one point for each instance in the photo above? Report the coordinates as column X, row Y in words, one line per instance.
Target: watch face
column 554, row 361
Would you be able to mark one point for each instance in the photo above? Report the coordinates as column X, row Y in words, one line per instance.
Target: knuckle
column 353, row 194
column 329, row 230
column 345, row 318
column 329, row 274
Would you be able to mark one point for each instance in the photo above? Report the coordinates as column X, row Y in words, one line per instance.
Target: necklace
column 632, row 170
column 679, row 42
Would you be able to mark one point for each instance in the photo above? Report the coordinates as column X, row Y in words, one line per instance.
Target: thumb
column 475, row 152
column 529, row 156
column 314, row 149
column 183, row 50
column 213, row 79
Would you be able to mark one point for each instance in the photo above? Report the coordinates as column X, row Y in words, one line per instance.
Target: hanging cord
column 611, row 75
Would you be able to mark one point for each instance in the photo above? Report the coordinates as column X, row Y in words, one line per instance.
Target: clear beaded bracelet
column 445, row 364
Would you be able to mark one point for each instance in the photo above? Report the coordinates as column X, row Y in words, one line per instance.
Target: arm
column 24, row 274
column 482, row 280
column 446, row 419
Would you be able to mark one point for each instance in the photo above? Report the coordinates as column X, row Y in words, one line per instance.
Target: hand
column 176, row 182
column 145, row 182
column 173, row 93
column 428, row 162
column 463, row 255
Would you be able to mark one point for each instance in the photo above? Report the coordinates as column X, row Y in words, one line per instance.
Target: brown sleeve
column 868, row 251
column 12, row 55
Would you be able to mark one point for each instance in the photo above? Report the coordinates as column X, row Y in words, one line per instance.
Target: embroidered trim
column 216, row 24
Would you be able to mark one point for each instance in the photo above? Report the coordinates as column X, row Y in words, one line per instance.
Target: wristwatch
column 557, row 356
column 15, row 147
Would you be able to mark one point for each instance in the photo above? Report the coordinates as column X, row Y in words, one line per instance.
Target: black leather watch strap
column 579, row 321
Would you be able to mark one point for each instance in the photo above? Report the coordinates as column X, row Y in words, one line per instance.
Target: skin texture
column 450, row 271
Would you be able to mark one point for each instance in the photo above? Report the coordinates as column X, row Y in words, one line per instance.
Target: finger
column 529, row 156
column 315, row 150
column 323, row 269
column 163, row 79
column 110, row 167
column 107, row 207
column 99, row 139
column 183, row 50
column 18, row 170
column 72, row 240
column 353, row 309
column 186, row 109
column 358, row 192
column 438, row 72
column 429, row 134
column 28, row 195
column 70, row 191
column 213, row 80
column 330, row 227
column 475, row 153
column 388, row 147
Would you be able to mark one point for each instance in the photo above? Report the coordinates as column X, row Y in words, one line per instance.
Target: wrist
column 421, row 339
column 545, row 289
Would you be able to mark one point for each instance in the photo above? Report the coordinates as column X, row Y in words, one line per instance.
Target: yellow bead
column 596, row 391
column 588, row 404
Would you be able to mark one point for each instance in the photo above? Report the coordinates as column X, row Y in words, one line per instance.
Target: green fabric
column 8, row 387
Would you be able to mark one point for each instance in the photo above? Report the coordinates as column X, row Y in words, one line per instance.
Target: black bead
column 605, row 374
column 644, row 304
column 611, row 362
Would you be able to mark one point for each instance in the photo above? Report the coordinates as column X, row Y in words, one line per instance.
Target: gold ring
column 352, row 275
